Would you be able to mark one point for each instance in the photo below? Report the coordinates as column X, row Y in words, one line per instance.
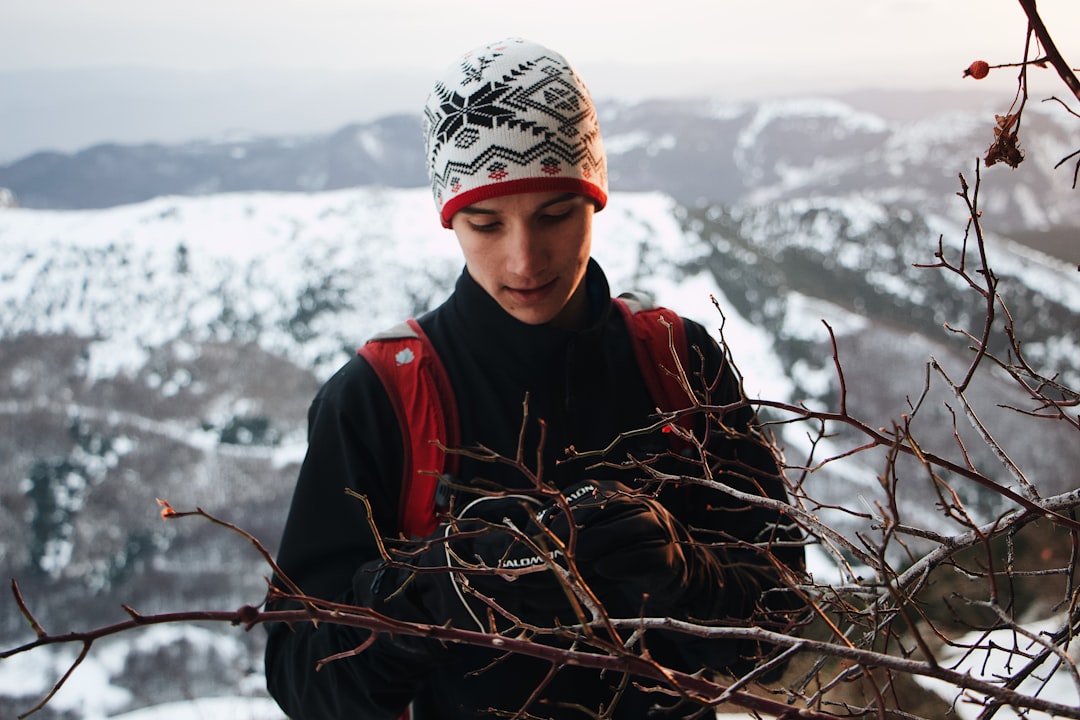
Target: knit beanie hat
column 511, row 117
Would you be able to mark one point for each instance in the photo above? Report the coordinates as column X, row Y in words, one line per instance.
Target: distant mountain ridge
column 699, row 152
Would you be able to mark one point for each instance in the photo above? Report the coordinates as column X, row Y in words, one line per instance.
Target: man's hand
column 491, row 560
column 626, row 538
column 501, row 559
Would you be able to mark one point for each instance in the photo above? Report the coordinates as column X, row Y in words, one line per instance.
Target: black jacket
column 587, row 388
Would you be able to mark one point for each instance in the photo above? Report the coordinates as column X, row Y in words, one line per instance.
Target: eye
column 557, row 215
column 485, row 227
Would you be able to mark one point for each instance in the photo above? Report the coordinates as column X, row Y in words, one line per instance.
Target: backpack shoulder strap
column 423, row 399
column 426, row 410
column 658, row 337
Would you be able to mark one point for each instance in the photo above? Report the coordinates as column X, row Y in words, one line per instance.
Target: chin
column 533, row 314
column 534, row 318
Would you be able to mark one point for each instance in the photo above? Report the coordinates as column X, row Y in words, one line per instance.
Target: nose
column 526, row 257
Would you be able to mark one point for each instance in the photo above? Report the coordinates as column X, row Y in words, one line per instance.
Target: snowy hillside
column 301, row 275
column 169, row 349
column 150, row 294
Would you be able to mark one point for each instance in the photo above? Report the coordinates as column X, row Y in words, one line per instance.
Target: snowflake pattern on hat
column 511, row 117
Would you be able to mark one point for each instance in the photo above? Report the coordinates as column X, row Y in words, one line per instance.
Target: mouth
column 532, row 295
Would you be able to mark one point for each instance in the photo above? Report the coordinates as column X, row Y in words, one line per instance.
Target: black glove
column 629, row 542
column 489, row 561
column 626, row 545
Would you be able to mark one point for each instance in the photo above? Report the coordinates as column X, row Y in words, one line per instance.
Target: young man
column 540, row 359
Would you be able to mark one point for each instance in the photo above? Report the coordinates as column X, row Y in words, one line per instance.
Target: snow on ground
column 1005, row 659
column 640, row 245
column 91, row 695
column 144, row 275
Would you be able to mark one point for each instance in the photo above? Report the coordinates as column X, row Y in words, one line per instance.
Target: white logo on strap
column 405, row 357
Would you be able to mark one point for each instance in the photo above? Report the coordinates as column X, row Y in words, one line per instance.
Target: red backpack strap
column 423, row 400
column 655, row 332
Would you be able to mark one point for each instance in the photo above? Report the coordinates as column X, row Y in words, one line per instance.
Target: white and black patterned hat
column 511, row 117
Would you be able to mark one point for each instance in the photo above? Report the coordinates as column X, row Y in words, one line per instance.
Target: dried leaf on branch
column 1006, row 145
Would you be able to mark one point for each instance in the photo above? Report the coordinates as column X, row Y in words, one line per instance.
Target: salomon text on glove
column 487, row 568
column 629, row 542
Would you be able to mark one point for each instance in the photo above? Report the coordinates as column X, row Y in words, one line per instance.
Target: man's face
column 529, row 252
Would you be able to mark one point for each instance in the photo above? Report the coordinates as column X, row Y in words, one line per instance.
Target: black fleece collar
column 484, row 324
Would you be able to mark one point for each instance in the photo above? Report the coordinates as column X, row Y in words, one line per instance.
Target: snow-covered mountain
column 907, row 152
column 169, row 348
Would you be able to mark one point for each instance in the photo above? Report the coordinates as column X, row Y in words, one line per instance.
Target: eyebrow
column 473, row 210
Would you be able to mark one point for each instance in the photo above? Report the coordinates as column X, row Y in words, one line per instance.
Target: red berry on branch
column 978, row 70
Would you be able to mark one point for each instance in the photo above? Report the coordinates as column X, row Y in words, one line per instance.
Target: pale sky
column 772, row 43
column 285, row 66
